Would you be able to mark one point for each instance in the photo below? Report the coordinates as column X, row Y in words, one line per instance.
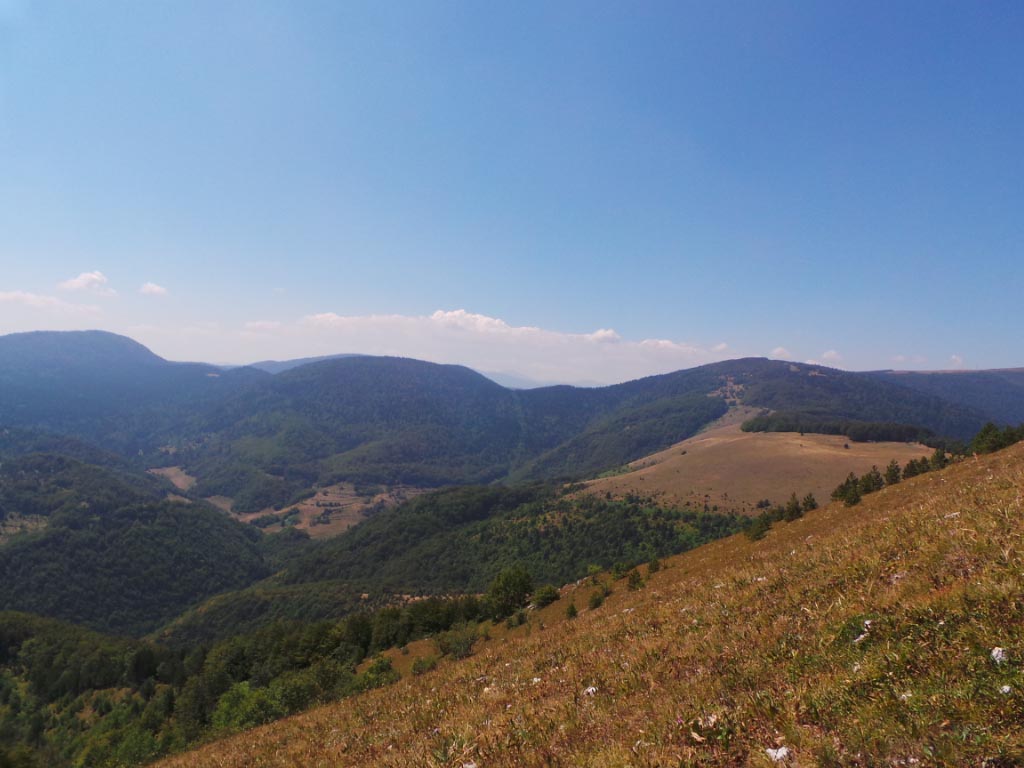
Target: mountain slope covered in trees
column 997, row 393
column 106, row 551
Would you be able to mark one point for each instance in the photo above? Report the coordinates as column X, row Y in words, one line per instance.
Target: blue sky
column 581, row 192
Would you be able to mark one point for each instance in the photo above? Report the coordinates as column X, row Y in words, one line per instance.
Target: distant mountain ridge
column 261, row 438
column 998, row 392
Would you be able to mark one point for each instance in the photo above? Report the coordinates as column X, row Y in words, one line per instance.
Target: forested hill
column 103, row 387
column 263, row 439
column 102, row 548
column 997, row 393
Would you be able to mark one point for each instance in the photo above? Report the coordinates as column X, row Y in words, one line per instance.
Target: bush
column 570, row 610
column 456, row 642
column 545, row 596
column 758, row 527
column 635, row 581
column 596, row 599
column 424, row 664
column 509, row 592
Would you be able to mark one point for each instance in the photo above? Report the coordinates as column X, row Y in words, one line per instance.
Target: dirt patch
column 177, row 476
column 223, row 503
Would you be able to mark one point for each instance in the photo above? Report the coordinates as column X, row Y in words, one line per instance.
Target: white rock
column 590, row 691
column 778, row 755
column 999, row 655
column 1005, row 690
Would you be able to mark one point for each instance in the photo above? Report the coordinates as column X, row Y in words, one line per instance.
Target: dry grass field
column 178, row 477
column 733, row 470
column 887, row 634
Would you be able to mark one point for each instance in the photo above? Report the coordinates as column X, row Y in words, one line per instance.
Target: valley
column 187, row 552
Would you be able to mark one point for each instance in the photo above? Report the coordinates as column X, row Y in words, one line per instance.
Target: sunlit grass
column 855, row 637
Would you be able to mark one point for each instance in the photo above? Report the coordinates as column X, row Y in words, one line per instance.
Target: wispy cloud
column 93, row 282
column 781, row 353
column 956, row 361
column 490, row 343
column 43, row 302
column 152, row 289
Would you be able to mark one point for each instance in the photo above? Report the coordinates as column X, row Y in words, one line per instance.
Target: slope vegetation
column 99, row 546
column 997, row 393
column 885, row 634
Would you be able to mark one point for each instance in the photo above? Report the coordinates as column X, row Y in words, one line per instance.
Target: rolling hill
column 266, row 440
column 732, row 470
column 390, row 420
column 103, row 387
column 886, row 634
column 998, row 393
column 102, row 548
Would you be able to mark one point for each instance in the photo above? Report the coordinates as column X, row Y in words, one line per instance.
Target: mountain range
column 260, row 438
column 137, row 617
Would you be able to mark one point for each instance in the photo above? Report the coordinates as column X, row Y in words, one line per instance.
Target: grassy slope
column 734, row 648
column 736, row 469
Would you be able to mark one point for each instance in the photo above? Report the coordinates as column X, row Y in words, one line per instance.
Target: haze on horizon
column 581, row 193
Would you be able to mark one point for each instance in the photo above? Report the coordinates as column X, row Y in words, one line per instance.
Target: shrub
column 457, row 642
column 424, row 664
column 545, row 596
column 635, row 581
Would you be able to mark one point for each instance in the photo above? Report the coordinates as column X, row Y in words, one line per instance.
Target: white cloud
column 603, row 336
column 720, row 347
column 40, row 301
column 152, row 289
column 94, row 282
column 492, row 344
column 781, row 353
column 831, row 356
column 956, row 361
column 259, row 326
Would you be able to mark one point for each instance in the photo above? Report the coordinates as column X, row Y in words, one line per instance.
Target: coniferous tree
column 793, row 508
column 809, row 502
column 892, row 473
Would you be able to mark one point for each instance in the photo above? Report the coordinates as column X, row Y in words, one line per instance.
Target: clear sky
column 581, row 192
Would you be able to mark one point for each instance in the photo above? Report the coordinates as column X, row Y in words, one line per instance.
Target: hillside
column 998, row 393
column 459, row 539
column 391, row 420
column 100, row 547
column 267, row 440
column 885, row 634
column 103, row 387
column 732, row 470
